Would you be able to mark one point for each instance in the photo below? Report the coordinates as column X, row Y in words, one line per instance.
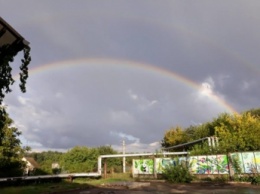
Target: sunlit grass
column 109, row 179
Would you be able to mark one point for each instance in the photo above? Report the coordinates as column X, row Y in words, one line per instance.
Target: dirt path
column 161, row 188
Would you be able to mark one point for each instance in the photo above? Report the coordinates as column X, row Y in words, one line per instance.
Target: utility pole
column 124, row 156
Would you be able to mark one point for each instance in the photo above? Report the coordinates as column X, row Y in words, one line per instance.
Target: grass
column 42, row 188
column 65, row 185
column 110, row 179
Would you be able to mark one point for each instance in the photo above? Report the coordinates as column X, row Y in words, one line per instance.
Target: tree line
column 77, row 159
column 235, row 132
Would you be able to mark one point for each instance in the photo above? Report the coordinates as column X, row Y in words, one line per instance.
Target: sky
column 107, row 71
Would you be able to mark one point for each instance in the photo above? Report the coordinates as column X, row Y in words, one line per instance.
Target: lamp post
column 124, row 156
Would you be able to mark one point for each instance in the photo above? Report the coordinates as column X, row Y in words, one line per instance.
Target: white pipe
column 216, row 138
column 94, row 174
column 209, row 141
column 91, row 174
column 131, row 155
column 213, row 141
column 154, row 167
column 123, row 157
column 99, row 165
column 142, row 154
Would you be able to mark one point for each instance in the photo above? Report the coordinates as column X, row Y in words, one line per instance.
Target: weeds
column 177, row 174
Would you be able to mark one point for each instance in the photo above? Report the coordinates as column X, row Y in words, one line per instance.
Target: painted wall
column 249, row 162
column 214, row 164
column 161, row 163
column 143, row 166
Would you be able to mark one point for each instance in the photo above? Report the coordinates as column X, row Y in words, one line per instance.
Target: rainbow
column 129, row 65
column 158, row 24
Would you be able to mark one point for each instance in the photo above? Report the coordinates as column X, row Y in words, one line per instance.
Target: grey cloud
column 85, row 105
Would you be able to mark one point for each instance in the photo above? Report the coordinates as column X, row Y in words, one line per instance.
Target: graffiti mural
column 202, row 165
column 245, row 162
column 236, row 162
column 257, row 161
column 193, row 164
column 222, row 165
column 162, row 163
column 216, row 164
column 249, row 162
column 143, row 166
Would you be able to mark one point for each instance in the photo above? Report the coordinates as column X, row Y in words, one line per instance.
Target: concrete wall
column 248, row 162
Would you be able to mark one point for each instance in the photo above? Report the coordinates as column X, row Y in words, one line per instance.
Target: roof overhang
column 10, row 37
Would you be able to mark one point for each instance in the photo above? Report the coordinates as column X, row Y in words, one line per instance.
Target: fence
column 246, row 162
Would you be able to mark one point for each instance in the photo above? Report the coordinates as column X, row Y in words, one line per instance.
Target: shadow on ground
column 162, row 187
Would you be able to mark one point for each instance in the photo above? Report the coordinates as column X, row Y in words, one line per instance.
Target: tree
column 11, row 43
column 11, row 151
column 195, row 133
column 112, row 163
column 7, row 55
column 239, row 133
column 198, row 132
column 174, row 136
column 45, row 160
column 80, row 159
column 84, row 159
column 254, row 112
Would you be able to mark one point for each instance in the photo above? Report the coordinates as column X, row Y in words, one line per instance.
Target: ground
column 163, row 187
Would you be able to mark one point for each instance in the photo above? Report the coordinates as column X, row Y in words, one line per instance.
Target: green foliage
column 45, row 160
column 255, row 180
column 254, row 112
column 197, row 132
column 56, row 171
column 112, row 163
column 7, row 54
column 77, row 159
column 80, row 159
column 222, row 179
column 201, row 149
column 239, row 133
column 84, row 159
column 234, row 160
column 11, row 152
column 173, row 137
column 177, row 174
column 10, row 146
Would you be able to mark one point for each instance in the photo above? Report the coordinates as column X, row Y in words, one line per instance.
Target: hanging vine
column 24, row 68
column 7, row 54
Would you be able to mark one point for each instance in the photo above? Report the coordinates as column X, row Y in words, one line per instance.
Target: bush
column 255, row 180
column 177, row 174
column 222, row 179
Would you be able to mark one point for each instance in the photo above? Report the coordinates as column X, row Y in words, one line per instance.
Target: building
column 11, row 38
column 31, row 165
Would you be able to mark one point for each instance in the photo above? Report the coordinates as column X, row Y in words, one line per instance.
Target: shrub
column 255, row 180
column 177, row 174
column 222, row 179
